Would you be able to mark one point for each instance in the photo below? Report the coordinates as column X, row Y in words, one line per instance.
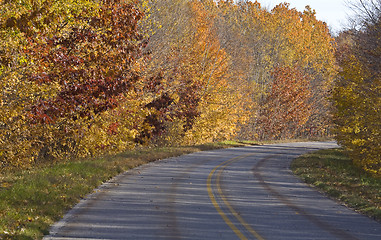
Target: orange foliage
column 286, row 106
column 83, row 77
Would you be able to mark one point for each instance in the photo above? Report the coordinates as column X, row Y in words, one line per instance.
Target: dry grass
column 334, row 173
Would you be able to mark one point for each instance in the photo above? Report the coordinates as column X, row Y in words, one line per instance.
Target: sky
column 333, row 12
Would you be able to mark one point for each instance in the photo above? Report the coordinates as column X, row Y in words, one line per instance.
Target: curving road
column 238, row 193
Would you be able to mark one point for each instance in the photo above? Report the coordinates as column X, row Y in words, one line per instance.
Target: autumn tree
column 309, row 46
column 242, row 33
column 356, row 96
column 287, row 105
column 221, row 102
column 259, row 41
column 20, row 21
column 86, row 77
column 192, row 93
column 80, row 61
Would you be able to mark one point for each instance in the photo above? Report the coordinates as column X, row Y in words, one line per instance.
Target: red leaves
column 287, row 105
column 91, row 63
column 113, row 128
column 29, row 22
column 289, row 85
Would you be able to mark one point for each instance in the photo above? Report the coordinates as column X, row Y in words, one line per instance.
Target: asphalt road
column 238, row 193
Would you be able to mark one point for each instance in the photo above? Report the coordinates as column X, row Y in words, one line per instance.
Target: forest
column 88, row 77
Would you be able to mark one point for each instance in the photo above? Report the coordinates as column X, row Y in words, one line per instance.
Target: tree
column 259, row 41
column 221, row 102
column 286, row 107
column 192, row 93
column 356, row 96
column 20, row 21
column 78, row 66
column 309, row 46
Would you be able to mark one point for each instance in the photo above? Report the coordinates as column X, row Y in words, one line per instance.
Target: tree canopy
column 89, row 77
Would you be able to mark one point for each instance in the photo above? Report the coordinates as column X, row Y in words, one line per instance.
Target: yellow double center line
column 220, row 169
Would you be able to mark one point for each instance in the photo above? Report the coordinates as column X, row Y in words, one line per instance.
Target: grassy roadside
column 332, row 172
column 32, row 200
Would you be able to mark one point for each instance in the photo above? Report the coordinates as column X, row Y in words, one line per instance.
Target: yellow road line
column 227, row 204
column 222, row 166
column 219, row 210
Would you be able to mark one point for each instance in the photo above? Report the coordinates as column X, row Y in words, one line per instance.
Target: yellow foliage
column 357, row 106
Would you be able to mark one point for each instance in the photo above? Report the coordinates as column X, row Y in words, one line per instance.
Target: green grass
column 31, row 200
column 333, row 172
